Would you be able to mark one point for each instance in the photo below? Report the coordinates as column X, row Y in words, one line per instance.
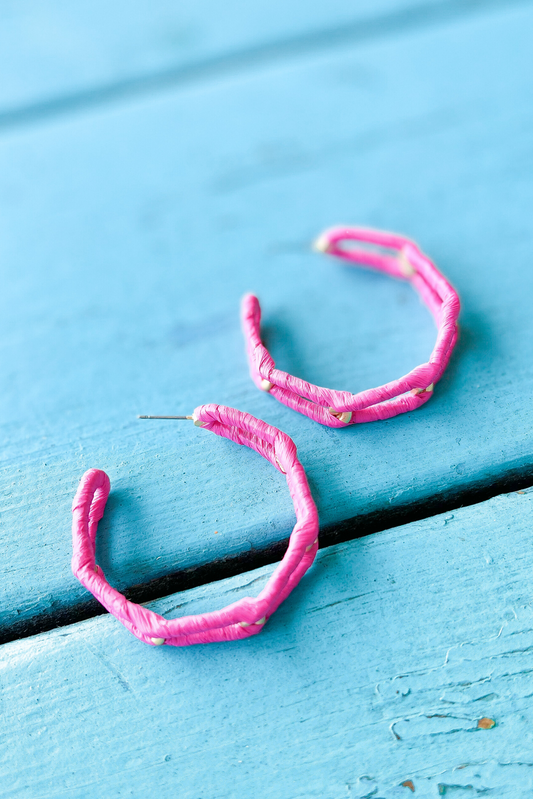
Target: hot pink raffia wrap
column 405, row 394
column 243, row 618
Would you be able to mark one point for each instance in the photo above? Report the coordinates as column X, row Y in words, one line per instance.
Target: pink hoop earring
column 243, row 618
column 341, row 408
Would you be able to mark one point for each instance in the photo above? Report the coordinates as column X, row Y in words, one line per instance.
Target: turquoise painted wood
column 128, row 236
column 374, row 673
column 57, row 55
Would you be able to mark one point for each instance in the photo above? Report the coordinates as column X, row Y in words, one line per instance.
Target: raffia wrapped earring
column 243, row 618
column 401, row 258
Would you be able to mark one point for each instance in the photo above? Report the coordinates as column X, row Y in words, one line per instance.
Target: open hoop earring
column 341, row 408
column 243, row 618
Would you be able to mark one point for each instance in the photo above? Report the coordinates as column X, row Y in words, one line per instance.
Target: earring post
column 165, row 417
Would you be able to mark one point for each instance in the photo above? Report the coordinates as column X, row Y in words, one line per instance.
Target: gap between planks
column 415, row 17
column 330, row 535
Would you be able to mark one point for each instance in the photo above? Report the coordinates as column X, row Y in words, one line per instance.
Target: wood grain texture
column 128, row 236
column 57, row 55
column 375, row 672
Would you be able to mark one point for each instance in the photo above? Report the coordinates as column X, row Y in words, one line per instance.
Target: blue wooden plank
column 128, row 237
column 59, row 53
column 375, row 672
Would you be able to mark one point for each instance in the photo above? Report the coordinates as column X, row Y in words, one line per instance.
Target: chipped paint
column 486, row 723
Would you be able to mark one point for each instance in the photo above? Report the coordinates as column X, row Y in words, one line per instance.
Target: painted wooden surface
column 128, row 236
column 57, row 55
column 375, row 674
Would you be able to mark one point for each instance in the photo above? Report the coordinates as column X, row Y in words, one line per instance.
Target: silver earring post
column 165, row 417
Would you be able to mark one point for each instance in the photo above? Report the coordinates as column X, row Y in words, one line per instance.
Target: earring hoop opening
column 243, row 618
column 341, row 408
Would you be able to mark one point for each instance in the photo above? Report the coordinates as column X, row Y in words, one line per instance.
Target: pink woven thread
column 405, row 394
column 243, row 618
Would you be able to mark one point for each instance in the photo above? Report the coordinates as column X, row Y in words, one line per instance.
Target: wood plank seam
column 405, row 659
column 419, row 17
column 221, row 569
column 396, row 463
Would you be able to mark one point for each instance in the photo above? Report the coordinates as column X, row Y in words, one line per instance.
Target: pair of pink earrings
column 388, row 252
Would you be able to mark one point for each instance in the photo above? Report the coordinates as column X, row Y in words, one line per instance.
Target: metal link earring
column 400, row 258
column 243, row 618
